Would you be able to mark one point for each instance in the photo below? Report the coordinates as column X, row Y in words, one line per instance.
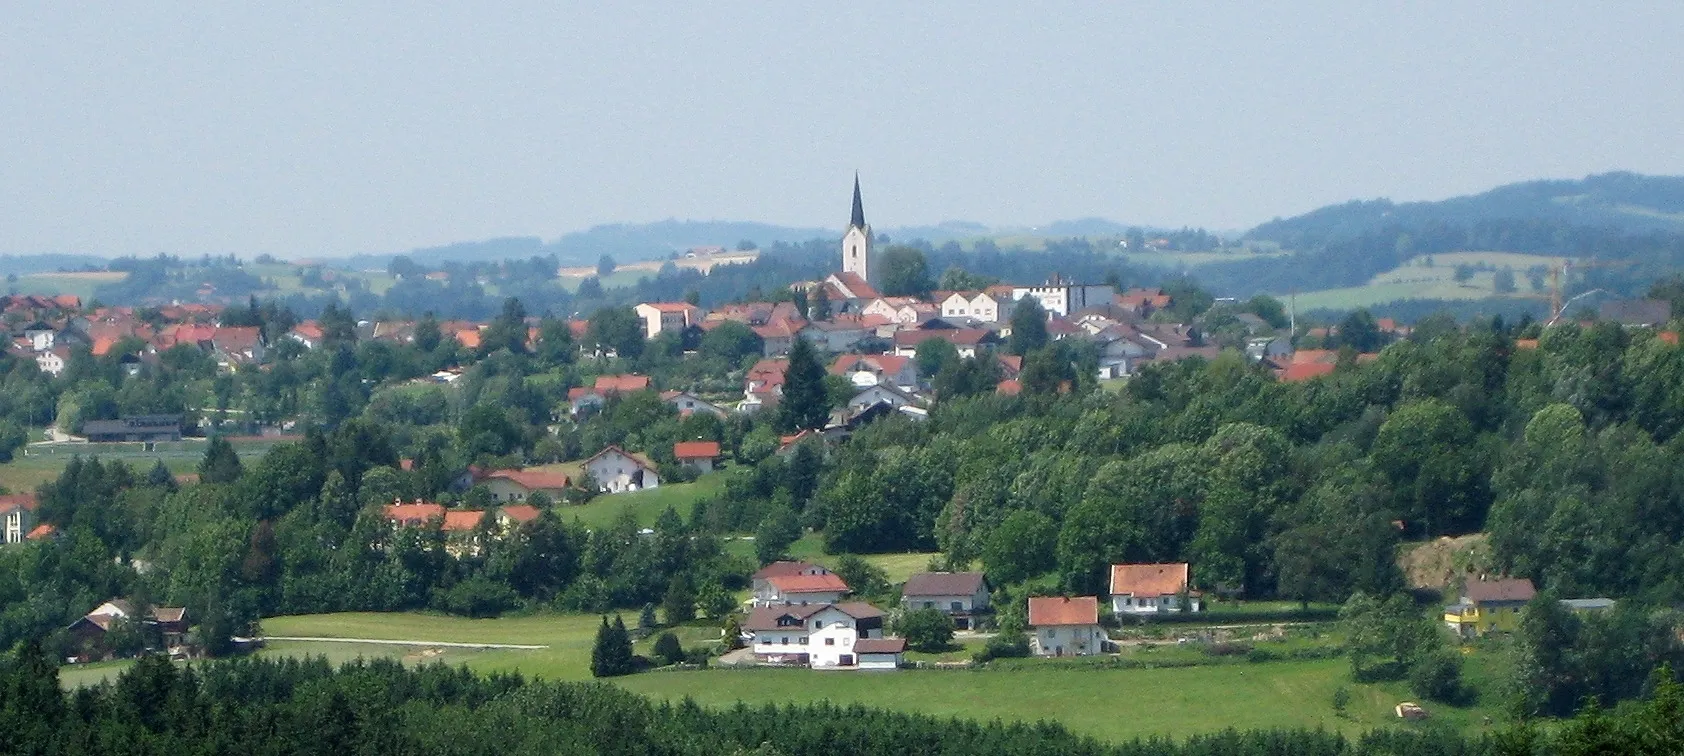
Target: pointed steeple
column 859, row 207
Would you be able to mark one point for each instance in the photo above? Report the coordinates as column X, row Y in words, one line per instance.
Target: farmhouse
column 960, row 595
column 1143, row 589
column 616, row 470
column 818, row 635
column 757, row 581
column 90, row 630
column 1489, row 606
column 1066, row 626
column 697, row 455
column 827, row 588
column 517, row 485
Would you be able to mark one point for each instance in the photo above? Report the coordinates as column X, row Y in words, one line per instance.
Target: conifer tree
column 805, row 404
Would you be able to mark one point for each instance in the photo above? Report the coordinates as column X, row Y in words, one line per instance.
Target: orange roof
column 1304, row 371
column 1526, row 344
column 696, row 450
column 783, row 568
column 1045, row 611
column 1306, row 356
column 1668, row 337
column 533, row 480
column 22, row 501
column 413, row 514
column 41, row 531
column 521, row 512
column 462, row 519
column 1009, row 388
column 1148, row 579
column 468, row 337
column 880, row 363
column 102, row 346
column 621, row 383
column 826, row 583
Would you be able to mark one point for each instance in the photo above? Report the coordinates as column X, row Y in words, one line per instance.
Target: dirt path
column 382, row 642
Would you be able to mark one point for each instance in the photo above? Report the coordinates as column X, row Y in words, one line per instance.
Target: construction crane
column 1558, row 281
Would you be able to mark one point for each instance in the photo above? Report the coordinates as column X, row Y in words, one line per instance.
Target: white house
column 757, row 581
column 616, row 470
column 960, row 595
column 1066, row 626
column 976, row 305
column 690, row 404
column 818, row 635
column 880, row 394
column 1138, row 589
column 1060, row 298
column 697, row 455
column 51, row 361
column 665, row 317
column 17, row 517
column 827, row 588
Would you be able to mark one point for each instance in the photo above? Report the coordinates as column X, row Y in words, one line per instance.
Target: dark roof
column 137, row 424
column 1504, row 589
column 766, row 617
column 943, row 584
column 858, row 220
column 879, row 645
column 858, row 609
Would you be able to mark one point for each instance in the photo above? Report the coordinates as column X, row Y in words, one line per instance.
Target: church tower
column 856, row 244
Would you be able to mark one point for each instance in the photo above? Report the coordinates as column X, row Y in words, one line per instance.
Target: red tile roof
column 877, row 363
column 826, row 583
column 522, row 513
column 1305, row 371
column 21, row 501
column 784, row 568
column 41, row 531
column 625, row 383
column 460, row 520
column 418, row 513
column 1009, row 388
column 1307, row 356
column 696, row 450
column 1045, row 611
column 1526, row 344
column 534, row 480
column 1149, row 580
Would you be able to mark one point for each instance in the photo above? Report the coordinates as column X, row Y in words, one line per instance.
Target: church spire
column 859, row 207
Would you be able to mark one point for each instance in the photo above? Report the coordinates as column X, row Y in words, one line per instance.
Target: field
column 1433, row 277
column 39, row 463
column 645, row 506
column 81, row 284
column 1109, row 703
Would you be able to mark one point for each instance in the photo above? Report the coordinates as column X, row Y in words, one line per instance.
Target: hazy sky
column 188, row 127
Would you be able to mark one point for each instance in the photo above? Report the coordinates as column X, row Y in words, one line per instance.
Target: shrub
column 1437, row 675
column 1004, row 646
column 667, row 648
column 927, row 630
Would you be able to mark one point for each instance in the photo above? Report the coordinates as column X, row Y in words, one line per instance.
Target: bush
column 927, row 630
column 1437, row 675
column 1003, row 646
column 667, row 648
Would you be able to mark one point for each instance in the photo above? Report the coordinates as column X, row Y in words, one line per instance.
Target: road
column 383, row 642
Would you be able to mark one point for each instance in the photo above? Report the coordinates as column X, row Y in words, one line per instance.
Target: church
column 854, row 282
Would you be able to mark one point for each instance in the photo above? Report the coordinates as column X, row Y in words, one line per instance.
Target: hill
column 1629, row 202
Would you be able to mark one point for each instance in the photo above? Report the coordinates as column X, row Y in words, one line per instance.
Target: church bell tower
column 856, row 243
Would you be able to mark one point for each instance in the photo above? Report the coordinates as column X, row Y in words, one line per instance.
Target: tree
column 668, row 649
column 220, row 464
column 778, row 529
column 818, row 304
column 935, row 356
column 1022, row 547
column 956, row 278
column 927, row 630
column 805, row 404
column 1503, row 281
column 679, row 603
column 862, row 577
column 507, row 331
column 1029, row 327
column 730, row 342
column 903, row 272
column 611, row 655
column 605, row 266
column 1359, row 331
column 618, row 330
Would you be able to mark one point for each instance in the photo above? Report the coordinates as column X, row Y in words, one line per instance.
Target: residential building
column 1588, row 605
column 881, row 393
column 697, row 455
column 964, row 340
column 873, row 369
column 778, row 336
column 90, row 630
column 817, row 635
column 52, row 360
column 689, row 404
column 1489, row 606
column 960, row 595
column 1642, row 313
column 1061, row 298
column 17, row 517
column 847, row 288
column 414, row 514
column 517, row 485
column 827, row 588
column 616, row 470
column 757, row 581
column 839, row 334
column 1064, row 626
column 1146, row 589
column 974, row 305
column 667, row 317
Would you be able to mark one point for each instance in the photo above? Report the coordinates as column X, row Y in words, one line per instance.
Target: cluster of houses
column 158, row 628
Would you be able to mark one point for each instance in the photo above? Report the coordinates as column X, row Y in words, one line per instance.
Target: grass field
column 1109, row 703
column 645, row 506
column 38, row 464
column 81, row 284
column 1432, row 277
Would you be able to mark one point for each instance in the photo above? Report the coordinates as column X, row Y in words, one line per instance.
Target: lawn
column 898, row 567
column 82, row 284
column 1432, row 277
column 39, row 464
column 645, row 506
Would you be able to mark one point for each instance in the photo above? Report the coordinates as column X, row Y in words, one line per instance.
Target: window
column 803, row 640
column 830, row 641
column 784, row 640
column 957, row 606
column 929, row 604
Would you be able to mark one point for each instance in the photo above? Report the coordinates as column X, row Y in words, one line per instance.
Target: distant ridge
column 1630, row 202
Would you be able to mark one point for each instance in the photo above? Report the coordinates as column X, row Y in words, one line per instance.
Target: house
column 839, row 334
column 606, row 387
column 1299, row 372
column 517, row 485
column 1060, row 298
column 845, row 287
column 1143, row 589
column 778, row 335
column 40, row 335
column 1588, row 605
column 310, row 334
column 1489, row 606
column 616, row 470
column 90, row 630
column 763, row 385
column 1271, row 348
column 415, row 514
column 241, row 345
column 880, row 394
column 689, row 404
column 667, row 317
column 697, row 455
column 512, row 516
column 818, row 635
column 965, row 340
column 1642, row 313
column 757, row 581
column 1064, row 626
column 17, row 517
column 52, row 361
column 977, row 305
column 826, row 588
column 960, row 595
column 145, row 428
column 873, row 369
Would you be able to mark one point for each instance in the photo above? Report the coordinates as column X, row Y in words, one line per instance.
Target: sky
column 304, row 129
